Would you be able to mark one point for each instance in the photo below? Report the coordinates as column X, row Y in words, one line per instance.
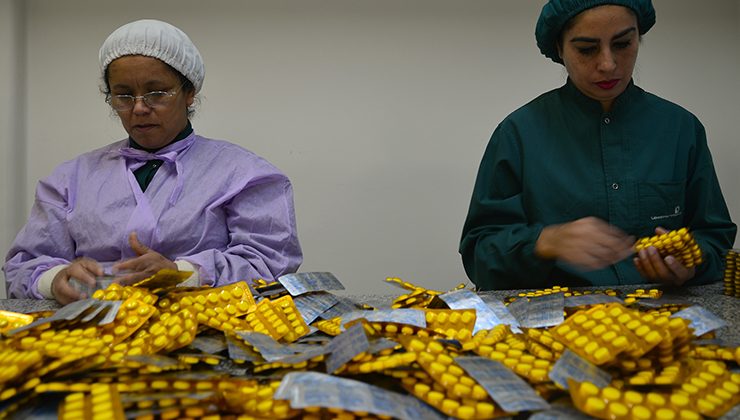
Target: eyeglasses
column 155, row 99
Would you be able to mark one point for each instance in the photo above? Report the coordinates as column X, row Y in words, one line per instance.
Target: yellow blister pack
column 731, row 276
column 453, row 391
column 13, row 320
column 614, row 403
column 257, row 400
column 131, row 315
column 268, row 319
column 171, row 331
column 297, row 325
column 164, row 278
column 678, row 243
column 484, row 340
column 455, row 324
column 332, row 326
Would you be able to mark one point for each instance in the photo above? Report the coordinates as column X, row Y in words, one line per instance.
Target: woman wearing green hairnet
column 569, row 180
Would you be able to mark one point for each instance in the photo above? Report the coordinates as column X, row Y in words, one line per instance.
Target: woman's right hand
column 82, row 269
column 588, row 243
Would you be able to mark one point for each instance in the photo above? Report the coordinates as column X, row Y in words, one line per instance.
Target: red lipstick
column 609, row 84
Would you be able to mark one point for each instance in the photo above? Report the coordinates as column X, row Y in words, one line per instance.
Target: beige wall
column 378, row 110
column 12, row 111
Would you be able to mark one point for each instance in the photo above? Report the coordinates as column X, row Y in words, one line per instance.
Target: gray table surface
column 708, row 296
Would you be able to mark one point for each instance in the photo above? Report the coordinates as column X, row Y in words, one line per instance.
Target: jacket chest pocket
column 661, row 204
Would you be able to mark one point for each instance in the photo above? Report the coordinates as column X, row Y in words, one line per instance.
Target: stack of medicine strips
column 292, row 349
column 732, row 273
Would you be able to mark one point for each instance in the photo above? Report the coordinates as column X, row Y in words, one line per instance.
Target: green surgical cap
column 556, row 13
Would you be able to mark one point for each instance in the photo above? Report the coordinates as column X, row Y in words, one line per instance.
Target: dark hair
column 187, row 85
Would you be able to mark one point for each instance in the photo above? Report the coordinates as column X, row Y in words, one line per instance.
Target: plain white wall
column 378, row 110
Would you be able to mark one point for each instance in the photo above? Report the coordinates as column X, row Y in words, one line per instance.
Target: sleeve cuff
column 45, row 280
column 194, row 279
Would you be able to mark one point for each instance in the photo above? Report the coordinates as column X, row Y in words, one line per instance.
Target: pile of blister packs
column 292, row 349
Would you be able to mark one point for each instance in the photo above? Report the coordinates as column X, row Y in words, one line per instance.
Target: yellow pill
column 132, row 321
column 515, row 353
column 237, row 292
column 705, row 406
column 465, row 412
column 640, row 412
column 572, row 335
column 618, row 410
column 698, row 382
column 463, row 334
column 421, row 389
column 444, row 359
column 609, row 336
column 594, row 405
column 484, row 409
column 435, row 347
column 708, row 377
column 450, row 406
column 722, row 394
column 527, row 358
column 448, row 380
column 51, row 347
column 714, row 399
column 731, row 387
column 598, row 330
column 159, row 384
column 563, row 329
column 510, row 362
column 689, row 415
column 610, row 393
column 455, row 370
column 598, row 314
column 437, row 368
column 581, row 341
column 620, row 342
column 417, row 345
column 538, row 374
column 455, row 317
column 653, row 337
column 426, row 358
column 602, row 355
column 587, row 389
column 120, row 330
column 656, row 400
column 478, row 392
column 461, row 391
column 467, row 317
column 435, row 397
column 522, row 369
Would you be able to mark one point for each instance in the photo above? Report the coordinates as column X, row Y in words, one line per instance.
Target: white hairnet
column 157, row 39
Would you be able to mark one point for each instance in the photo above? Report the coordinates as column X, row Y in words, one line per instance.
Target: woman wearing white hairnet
column 164, row 197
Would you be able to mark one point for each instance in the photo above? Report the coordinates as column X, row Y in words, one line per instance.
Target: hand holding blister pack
column 101, row 282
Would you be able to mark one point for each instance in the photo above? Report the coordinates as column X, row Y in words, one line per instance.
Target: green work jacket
column 560, row 158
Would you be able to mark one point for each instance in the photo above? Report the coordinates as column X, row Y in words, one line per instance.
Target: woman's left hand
column 667, row 270
column 147, row 263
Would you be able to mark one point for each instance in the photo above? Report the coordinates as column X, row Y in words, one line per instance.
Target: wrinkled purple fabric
column 212, row 203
